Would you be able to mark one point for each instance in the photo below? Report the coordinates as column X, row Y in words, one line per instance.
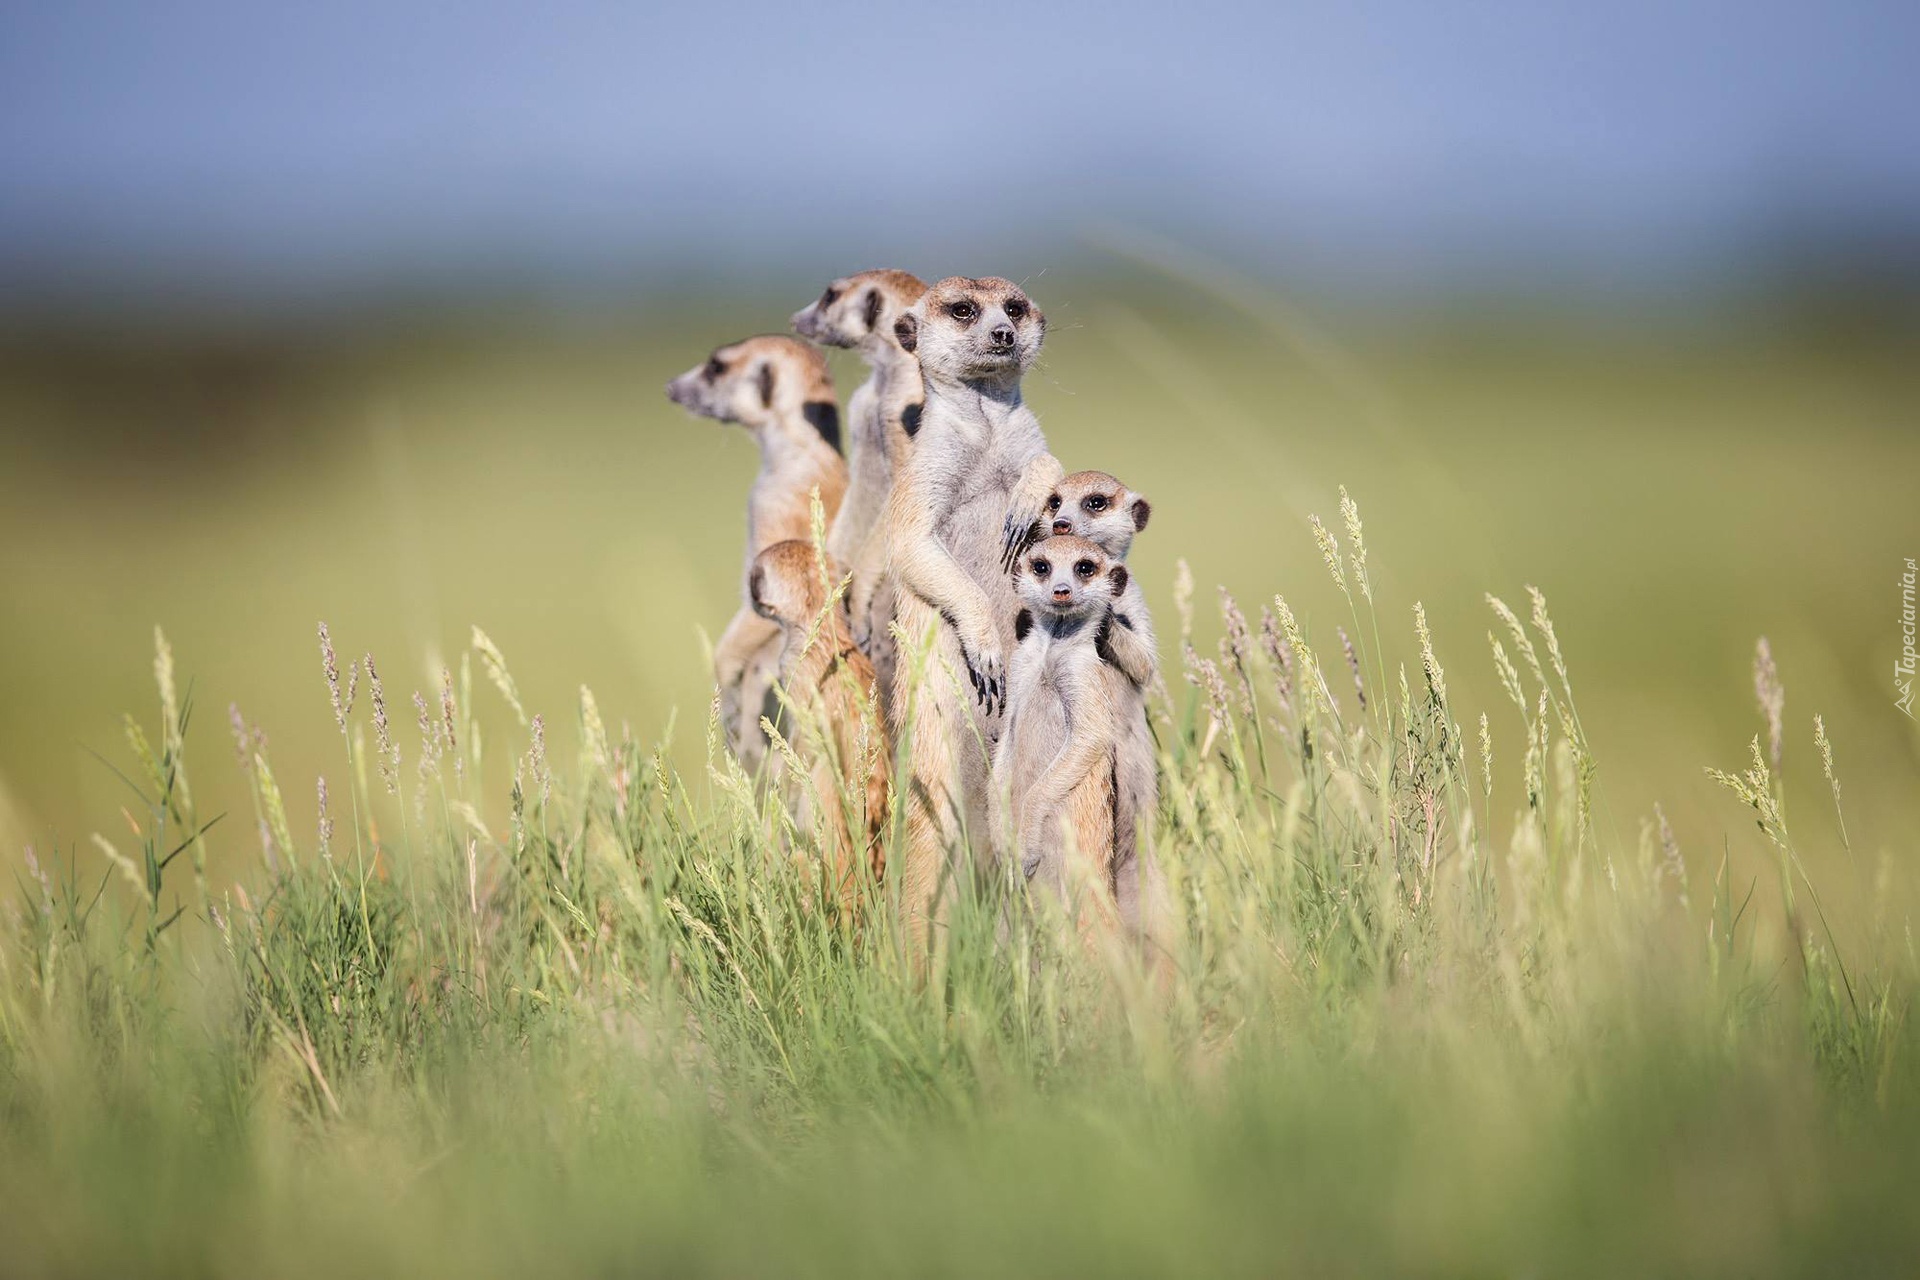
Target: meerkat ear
column 766, row 384
column 906, row 331
column 825, row 417
column 874, row 304
column 757, row 592
column 1119, row 575
column 910, row 418
column 1141, row 510
column 1022, row 623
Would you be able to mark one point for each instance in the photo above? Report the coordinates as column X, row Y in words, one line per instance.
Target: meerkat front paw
column 1026, row 507
column 986, row 667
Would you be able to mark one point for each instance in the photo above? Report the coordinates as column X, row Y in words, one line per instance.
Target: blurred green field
column 1398, row 1027
column 1676, row 491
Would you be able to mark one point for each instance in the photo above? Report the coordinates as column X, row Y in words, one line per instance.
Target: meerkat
column 837, row 730
column 1095, row 506
column 778, row 388
column 962, row 507
column 1054, row 766
column 857, row 312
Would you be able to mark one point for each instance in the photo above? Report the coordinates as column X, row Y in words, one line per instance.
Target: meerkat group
column 971, row 602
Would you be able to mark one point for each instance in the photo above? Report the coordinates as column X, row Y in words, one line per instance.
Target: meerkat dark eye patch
column 906, row 331
column 964, row 311
column 828, row 298
column 1016, row 309
column 1119, row 575
column 1041, row 568
column 1141, row 510
column 910, row 418
column 874, row 304
column 824, row 416
column 1086, row 568
column 1022, row 623
column 1094, row 502
column 715, row 367
column 766, row 385
column 1053, row 502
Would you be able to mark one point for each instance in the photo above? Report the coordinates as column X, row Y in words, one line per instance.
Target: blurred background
column 361, row 312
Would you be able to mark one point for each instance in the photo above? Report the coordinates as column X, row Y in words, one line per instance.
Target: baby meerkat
column 836, row 727
column 1095, row 506
column 1054, row 765
column 857, row 312
column 973, row 483
column 779, row 389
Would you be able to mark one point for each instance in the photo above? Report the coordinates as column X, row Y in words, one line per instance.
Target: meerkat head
column 785, row 584
column 969, row 330
column 757, row 381
column 859, row 310
column 1095, row 506
column 1067, row 577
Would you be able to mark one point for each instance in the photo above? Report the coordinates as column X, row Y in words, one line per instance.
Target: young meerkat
column 1054, row 767
column 1095, row 506
column 857, row 313
column 779, row 389
column 973, row 485
column 836, row 728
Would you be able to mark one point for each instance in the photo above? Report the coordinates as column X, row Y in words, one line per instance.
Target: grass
column 1432, row 1001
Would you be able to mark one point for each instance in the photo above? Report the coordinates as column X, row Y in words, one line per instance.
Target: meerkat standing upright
column 883, row 413
column 779, row 389
column 1054, row 767
column 1095, row 506
column 837, row 729
column 973, row 485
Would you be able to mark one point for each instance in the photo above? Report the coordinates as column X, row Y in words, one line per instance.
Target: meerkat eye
column 1086, row 568
column 1041, row 568
column 1096, row 502
column 827, row 298
column 964, row 311
column 1015, row 309
column 714, row 369
column 1053, row 503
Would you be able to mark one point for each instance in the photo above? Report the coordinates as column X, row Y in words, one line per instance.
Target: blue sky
column 265, row 144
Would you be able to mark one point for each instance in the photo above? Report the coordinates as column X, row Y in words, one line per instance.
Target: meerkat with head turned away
column 835, row 727
column 857, row 312
column 779, row 389
column 1095, row 506
column 973, row 485
column 1053, row 769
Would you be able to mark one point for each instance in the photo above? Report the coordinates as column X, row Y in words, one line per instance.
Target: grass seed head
column 1767, row 691
column 1350, row 516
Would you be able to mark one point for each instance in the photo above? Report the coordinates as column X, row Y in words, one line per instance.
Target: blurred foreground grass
column 606, row 1033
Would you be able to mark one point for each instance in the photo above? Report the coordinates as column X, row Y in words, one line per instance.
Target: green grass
column 1407, row 1025
column 1400, row 1026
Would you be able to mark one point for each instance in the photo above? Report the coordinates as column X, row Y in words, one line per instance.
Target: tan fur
column 858, row 312
column 768, row 385
column 1095, row 506
column 1054, row 767
column 836, row 728
column 972, row 485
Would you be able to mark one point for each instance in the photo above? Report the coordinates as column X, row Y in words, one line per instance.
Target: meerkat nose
column 1002, row 335
column 1063, row 526
column 1063, row 593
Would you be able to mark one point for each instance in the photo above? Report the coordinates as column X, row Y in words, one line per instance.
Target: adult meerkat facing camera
column 1095, row 506
column 857, row 313
column 836, row 729
column 779, row 389
column 1054, row 765
column 974, row 482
